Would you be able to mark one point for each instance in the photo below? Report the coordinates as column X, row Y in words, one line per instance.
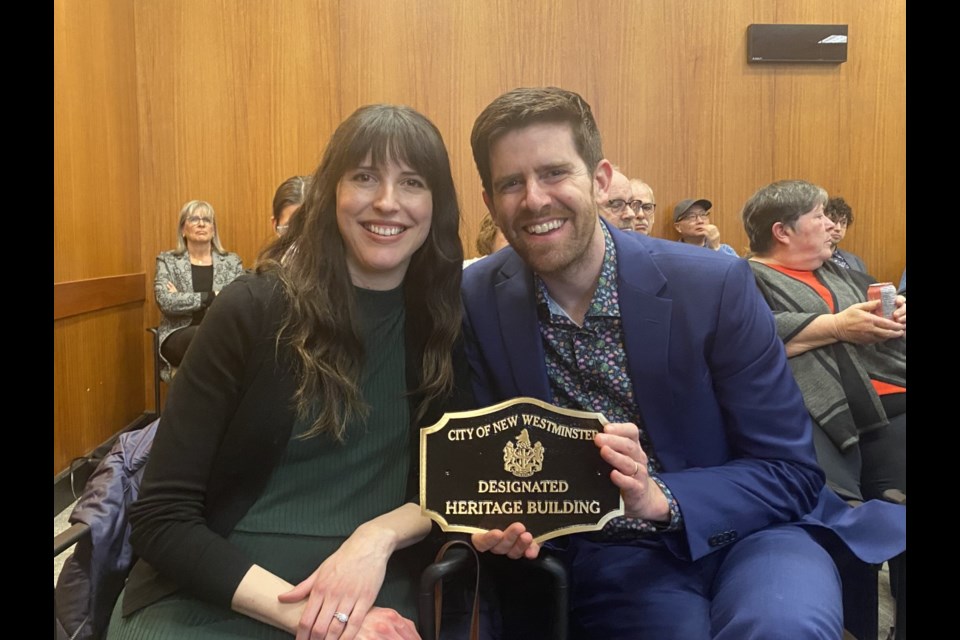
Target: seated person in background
column 188, row 279
column 277, row 492
column 286, row 201
column 489, row 240
column 617, row 206
column 646, row 209
column 850, row 364
column 841, row 215
column 709, row 439
column 691, row 219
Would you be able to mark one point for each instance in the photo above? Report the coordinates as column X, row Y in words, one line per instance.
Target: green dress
column 316, row 497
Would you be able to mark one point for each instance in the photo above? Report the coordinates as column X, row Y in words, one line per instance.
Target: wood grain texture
column 158, row 102
column 84, row 296
column 235, row 98
column 97, row 378
column 96, row 222
column 97, row 364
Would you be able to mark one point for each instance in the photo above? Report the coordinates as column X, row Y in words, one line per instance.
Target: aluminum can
column 886, row 293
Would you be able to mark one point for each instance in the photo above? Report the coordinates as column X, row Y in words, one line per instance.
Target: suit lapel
column 516, row 300
column 645, row 311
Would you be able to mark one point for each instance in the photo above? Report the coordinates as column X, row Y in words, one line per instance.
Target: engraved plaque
column 523, row 460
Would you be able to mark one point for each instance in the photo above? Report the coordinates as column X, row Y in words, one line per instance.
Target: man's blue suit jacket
column 711, row 381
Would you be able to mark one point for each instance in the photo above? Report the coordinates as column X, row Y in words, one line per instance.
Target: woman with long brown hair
column 278, row 486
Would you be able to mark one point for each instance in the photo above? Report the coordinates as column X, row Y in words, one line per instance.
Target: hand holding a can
column 859, row 324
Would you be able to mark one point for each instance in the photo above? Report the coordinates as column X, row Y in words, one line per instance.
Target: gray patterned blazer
column 178, row 308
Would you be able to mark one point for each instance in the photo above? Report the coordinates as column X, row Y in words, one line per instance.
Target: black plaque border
column 442, row 423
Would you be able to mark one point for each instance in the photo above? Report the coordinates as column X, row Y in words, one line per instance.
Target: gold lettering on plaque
column 525, row 459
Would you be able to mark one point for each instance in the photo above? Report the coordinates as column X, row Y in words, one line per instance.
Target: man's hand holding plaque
column 620, row 446
column 524, row 471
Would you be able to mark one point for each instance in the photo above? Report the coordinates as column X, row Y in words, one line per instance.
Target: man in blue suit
column 709, row 438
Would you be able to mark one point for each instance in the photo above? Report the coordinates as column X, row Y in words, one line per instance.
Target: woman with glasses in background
column 188, row 279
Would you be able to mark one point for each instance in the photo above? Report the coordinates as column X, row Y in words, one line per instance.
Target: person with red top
column 850, row 363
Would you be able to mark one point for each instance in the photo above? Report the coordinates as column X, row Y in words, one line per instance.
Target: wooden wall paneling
column 694, row 123
column 562, row 44
column 634, row 90
column 852, row 116
column 806, row 108
column 97, row 383
column 873, row 147
column 235, row 98
column 83, row 296
column 505, row 45
column 415, row 53
column 747, row 123
column 97, row 386
column 450, row 59
column 96, row 223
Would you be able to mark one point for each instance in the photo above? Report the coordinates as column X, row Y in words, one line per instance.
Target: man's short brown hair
column 533, row 105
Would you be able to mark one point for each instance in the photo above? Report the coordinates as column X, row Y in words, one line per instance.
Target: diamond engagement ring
column 341, row 617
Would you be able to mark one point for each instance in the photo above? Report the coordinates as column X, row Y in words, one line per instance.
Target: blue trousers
column 776, row 583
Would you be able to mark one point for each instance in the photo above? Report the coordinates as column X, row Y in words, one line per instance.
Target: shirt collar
column 605, row 302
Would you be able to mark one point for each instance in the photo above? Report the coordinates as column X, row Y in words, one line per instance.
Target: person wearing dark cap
column 691, row 219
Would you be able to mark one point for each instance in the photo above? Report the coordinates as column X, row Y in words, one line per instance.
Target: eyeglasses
column 696, row 216
column 648, row 207
column 842, row 222
column 616, row 206
column 199, row 219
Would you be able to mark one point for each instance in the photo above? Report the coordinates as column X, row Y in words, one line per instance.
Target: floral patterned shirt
column 587, row 369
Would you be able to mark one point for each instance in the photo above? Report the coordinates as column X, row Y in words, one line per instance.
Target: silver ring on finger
column 341, row 617
column 637, row 470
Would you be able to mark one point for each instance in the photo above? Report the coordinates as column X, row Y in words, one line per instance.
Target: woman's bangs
column 396, row 140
